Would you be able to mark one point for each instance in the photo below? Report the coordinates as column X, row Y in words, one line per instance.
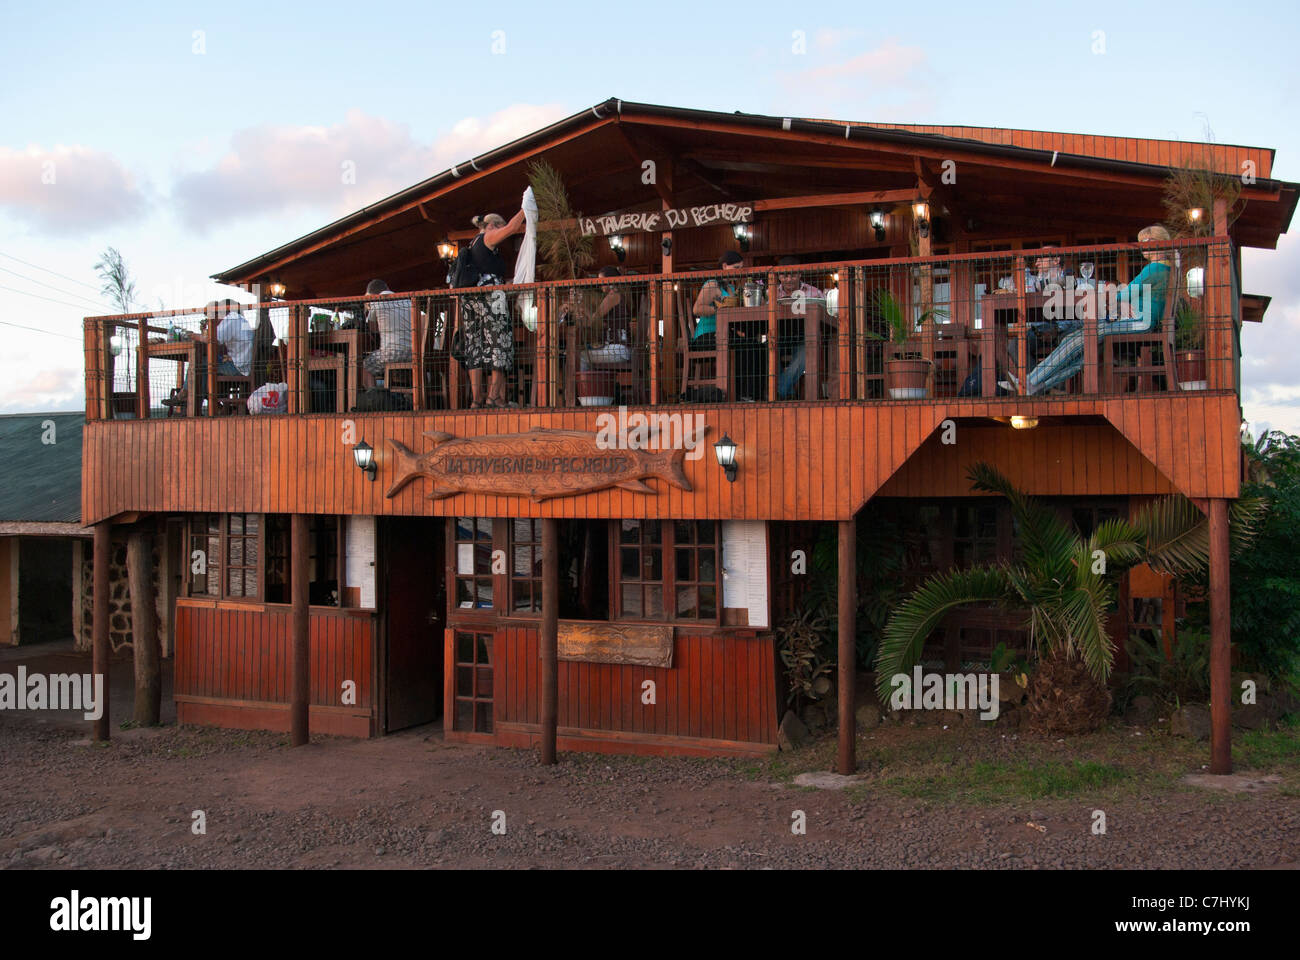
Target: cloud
column 57, row 389
column 1270, row 377
column 272, row 169
column 890, row 80
column 67, row 189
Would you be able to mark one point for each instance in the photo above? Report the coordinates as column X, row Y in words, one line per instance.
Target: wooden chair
column 699, row 367
column 1152, row 351
column 399, row 375
column 335, row 363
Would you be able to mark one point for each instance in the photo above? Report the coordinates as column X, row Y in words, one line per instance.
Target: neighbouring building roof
column 40, row 481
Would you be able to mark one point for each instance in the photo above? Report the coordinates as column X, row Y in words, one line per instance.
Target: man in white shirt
column 391, row 319
column 235, row 339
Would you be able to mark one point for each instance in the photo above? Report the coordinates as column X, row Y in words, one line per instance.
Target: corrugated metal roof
column 40, row 481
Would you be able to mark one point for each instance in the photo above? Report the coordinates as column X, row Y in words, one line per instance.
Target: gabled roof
column 1056, row 154
column 40, row 481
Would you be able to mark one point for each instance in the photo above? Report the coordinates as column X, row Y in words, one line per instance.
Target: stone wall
column 119, row 594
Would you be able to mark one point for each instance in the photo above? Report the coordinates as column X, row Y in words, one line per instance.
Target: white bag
column 269, row 398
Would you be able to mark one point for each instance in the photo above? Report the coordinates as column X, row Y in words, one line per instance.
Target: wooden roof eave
column 917, row 145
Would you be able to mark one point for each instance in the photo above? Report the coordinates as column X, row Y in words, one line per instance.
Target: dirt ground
column 968, row 796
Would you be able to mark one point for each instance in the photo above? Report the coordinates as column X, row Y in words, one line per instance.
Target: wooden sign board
column 632, row 643
column 656, row 221
column 539, row 464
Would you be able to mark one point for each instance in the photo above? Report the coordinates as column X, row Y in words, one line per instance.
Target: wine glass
column 1086, row 270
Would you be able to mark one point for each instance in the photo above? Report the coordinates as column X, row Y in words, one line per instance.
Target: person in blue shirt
column 1141, row 305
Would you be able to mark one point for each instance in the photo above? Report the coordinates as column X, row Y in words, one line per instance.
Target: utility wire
column 75, row 306
column 48, row 270
column 51, row 287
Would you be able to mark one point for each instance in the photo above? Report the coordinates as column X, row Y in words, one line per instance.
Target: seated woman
column 1141, row 304
column 714, row 294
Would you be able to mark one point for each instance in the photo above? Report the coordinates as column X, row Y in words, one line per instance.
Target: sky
column 194, row 136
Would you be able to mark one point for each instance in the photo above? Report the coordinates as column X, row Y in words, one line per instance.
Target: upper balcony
column 1147, row 319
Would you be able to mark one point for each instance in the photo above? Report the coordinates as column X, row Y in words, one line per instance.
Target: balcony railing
column 1150, row 318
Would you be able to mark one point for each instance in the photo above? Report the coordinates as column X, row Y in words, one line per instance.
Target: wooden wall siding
column 1162, row 152
column 241, row 652
column 721, row 687
column 1091, row 460
column 797, row 461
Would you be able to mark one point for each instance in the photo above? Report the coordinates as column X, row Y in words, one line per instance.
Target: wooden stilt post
column 550, row 639
column 99, row 622
column 848, row 596
column 1220, row 641
column 145, row 647
column 300, row 685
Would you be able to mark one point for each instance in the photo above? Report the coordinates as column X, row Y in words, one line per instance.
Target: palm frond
column 921, row 613
column 1177, row 535
column 565, row 252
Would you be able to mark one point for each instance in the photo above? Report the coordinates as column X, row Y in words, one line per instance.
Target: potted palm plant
column 1189, row 348
column 906, row 374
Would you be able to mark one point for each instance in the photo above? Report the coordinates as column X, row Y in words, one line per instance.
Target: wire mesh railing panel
column 1119, row 319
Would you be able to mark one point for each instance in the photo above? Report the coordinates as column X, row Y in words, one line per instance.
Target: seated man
column 745, row 346
column 790, row 285
column 1047, row 276
column 391, row 319
column 1141, row 304
column 234, row 348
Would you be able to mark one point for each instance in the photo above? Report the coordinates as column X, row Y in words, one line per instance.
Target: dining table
column 353, row 343
column 1005, row 315
column 186, row 353
column 818, row 328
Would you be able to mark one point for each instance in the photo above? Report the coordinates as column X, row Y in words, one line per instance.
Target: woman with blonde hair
column 1141, row 305
column 485, row 318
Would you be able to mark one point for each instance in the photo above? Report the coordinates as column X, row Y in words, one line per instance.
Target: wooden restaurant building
column 582, row 563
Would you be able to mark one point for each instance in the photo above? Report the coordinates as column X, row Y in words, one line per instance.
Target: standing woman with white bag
column 486, row 328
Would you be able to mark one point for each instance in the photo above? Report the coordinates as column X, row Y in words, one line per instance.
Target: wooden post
column 145, row 648
column 1218, row 300
column 848, row 597
column 417, row 361
column 213, row 324
column 550, row 639
column 1022, row 321
column 142, row 369
column 300, row 683
column 99, row 623
column 1220, row 641
column 652, row 337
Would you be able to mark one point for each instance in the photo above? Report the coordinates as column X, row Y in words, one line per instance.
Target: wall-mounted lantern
column 878, row 223
column 741, row 231
column 364, row 454
column 616, row 244
column 725, row 450
column 921, row 215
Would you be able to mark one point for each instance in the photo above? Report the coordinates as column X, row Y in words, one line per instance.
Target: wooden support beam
column 299, row 643
column 848, row 630
column 1220, row 641
column 213, row 323
column 550, row 638
column 849, row 199
column 99, row 624
column 145, row 647
column 142, row 369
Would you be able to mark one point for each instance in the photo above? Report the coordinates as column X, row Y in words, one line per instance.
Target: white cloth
column 236, row 336
column 526, row 262
column 269, row 398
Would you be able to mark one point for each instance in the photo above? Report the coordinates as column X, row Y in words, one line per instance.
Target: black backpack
column 465, row 273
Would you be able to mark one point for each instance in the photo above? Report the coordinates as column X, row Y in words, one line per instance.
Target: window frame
column 224, row 537
column 668, row 544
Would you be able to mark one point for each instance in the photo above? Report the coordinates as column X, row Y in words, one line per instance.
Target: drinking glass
column 1086, row 270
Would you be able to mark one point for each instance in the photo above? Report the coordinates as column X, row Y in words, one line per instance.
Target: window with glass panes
column 472, row 560
column 473, row 651
column 668, row 570
column 525, row 567
column 243, row 537
column 276, row 553
column 205, row 555
column 695, row 569
column 641, row 569
column 975, row 534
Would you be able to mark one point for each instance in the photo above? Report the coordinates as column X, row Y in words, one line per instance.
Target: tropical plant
column 1198, row 182
column 895, row 316
column 1181, row 678
column 803, row 641
column 1064, row 582
column 115, row 278
column 565, row 252
column 1188, row 334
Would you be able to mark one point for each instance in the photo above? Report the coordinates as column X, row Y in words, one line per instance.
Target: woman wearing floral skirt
column 487, row 334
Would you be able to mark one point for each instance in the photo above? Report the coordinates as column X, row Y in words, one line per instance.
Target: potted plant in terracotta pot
column 906, row 374
column 1189, row 348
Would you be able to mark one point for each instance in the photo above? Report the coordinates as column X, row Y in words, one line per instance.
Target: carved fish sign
column 539, row 464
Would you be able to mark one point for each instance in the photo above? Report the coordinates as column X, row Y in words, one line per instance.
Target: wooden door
column 416, row 610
